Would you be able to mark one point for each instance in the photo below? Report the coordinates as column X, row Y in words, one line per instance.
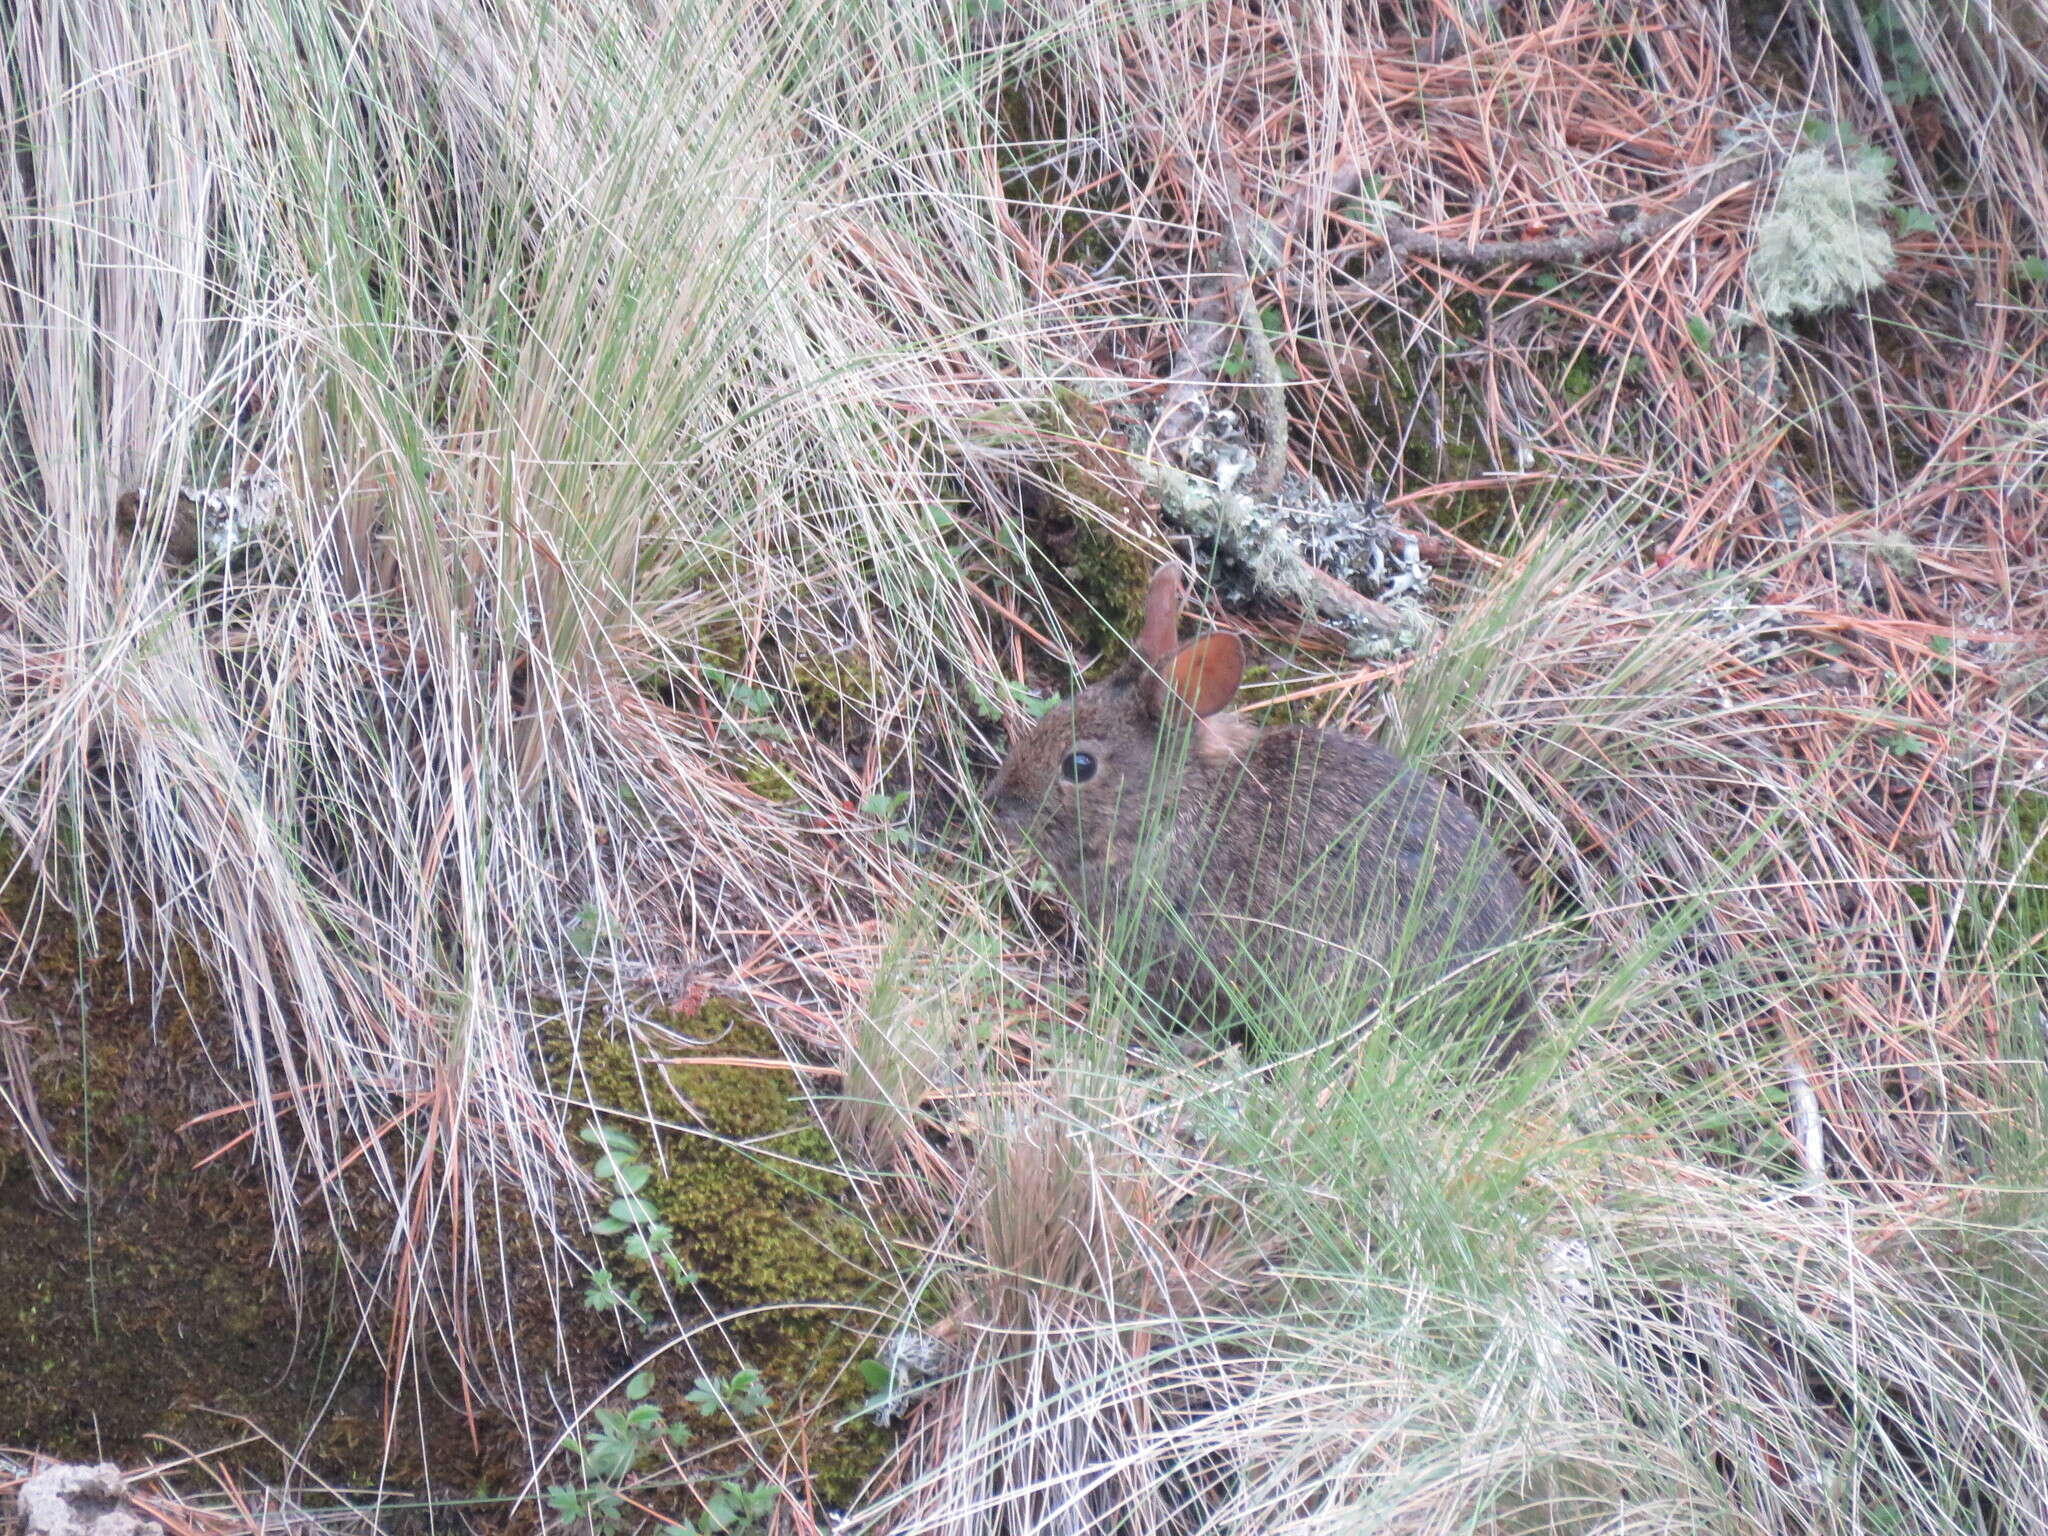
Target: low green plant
column 739, row 1396
column 622, row 1442
column 641, row 1438
column 733, row 1508
column 887, row 807
column 645, row 1236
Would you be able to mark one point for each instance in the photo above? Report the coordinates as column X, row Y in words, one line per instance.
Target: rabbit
column 1222, row 858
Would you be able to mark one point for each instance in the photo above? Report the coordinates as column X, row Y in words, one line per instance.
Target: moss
column 837, row 688
column 1457, row 450
column 1261, row 675
column 1082, row 519
column 1108, row 578
column 720, row 643
column 745, row 1179
column 153, row 1306
column 770, row 781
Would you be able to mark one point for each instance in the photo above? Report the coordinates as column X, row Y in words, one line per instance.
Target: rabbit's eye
column 1078, row 767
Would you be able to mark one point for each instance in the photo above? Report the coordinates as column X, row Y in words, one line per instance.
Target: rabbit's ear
column 1200, row 677
column 1162, row 614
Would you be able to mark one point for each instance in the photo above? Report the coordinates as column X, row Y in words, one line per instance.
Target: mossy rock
column 1107, row 576
column 1087, row 521
column 746, row 1180
column 151, row 1307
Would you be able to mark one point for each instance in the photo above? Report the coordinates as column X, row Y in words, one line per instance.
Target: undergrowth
column 523, row 524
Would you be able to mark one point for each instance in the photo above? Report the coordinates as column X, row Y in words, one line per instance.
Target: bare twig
column 1556, row 250
column 1806, row 1121
column 1265, row 372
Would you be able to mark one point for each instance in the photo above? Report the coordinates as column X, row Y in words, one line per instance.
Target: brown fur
column 1221, row 855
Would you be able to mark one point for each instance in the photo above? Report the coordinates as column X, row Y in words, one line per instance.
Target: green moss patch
column 746, row 1181
column 771, row 781
column 837, row 688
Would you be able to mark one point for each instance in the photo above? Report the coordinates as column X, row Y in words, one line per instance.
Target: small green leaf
column 590, row 930
column 632, row 1210
column 873, row 1375
column 603, row 1293
column 1702, row 333
column 1916, row 221
column 2034, row 268
column 611, row 1456
column 564, row 1501
column 649, row 1240
column 609, row 1138
column 641, row 1384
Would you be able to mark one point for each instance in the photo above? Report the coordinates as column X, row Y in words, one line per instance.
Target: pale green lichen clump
column 1822, row 245
column 1235, row 523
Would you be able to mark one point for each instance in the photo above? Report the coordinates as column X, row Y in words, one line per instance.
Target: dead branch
column 1267, row 389
column 1556, row 250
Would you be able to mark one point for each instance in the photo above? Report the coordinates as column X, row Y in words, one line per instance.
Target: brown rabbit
column 1224, row 860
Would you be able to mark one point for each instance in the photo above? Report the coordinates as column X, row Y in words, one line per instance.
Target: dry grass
column 641, row 465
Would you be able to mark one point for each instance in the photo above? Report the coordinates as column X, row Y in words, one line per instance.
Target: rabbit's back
column 1324, row 858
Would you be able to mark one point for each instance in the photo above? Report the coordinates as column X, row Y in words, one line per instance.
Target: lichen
column 1241, row 528
column 1822, row 246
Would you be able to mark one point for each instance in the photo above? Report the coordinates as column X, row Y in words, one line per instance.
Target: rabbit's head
column 1082, row 782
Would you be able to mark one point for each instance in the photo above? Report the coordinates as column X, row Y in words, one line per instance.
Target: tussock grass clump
column 556, row 385
column 1358, row 1292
